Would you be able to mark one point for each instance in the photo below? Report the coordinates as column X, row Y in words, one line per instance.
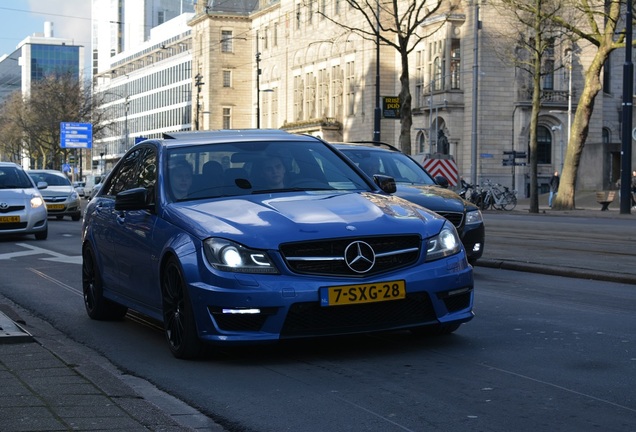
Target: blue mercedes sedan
column 245, row 236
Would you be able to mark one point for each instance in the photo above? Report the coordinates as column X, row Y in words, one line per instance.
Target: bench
column 605, row 198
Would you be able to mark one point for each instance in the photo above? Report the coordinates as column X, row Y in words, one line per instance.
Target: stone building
column 282, row 64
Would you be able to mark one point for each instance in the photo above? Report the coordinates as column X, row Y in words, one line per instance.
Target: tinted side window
column 124, row 176
column 147, row 173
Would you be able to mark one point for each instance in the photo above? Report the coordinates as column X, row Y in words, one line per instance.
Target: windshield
column 391, row 163
column 14, row 178
column 50, row 178
column 257, row 167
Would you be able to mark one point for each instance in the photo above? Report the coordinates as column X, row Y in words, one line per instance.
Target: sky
column 21, row 18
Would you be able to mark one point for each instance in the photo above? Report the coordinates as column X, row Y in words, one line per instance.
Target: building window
column 298, row 98
column 227, row 118
column 275, row 35
column 310, row 88
column 607, row 136
column 420, row 88
column 455, row 64
column 544, row 145
column 298, row 16
column 274, row 106
column 323, row 93
column 350, row 85
column 336, row 91
column 310, row 12
column 226, row 41
column 548, row 75
column 227, row 78
column 336, row 7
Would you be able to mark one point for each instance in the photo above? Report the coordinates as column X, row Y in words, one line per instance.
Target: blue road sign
column 76, row 135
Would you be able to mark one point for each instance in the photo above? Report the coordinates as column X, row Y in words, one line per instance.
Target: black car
column 415, row 184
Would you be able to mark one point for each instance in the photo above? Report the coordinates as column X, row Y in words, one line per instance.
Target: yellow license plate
column 363, row 293
column 9, row 219
column 55, row 206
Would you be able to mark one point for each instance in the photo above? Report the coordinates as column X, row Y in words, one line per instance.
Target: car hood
column 268, row 220
column 432, row 197
column 16, row 196
column 57, row 190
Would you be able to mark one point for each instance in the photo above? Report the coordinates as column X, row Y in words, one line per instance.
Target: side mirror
column 42, row 185
column 132, row 199
column 442, row 181
column 386, row 183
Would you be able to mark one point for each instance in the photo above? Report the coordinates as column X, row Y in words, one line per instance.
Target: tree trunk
column 406, row 118
column 578, row 134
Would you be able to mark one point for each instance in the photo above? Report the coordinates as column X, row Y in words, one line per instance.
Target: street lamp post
column 377, row 115
column 628, row 94
column 258, row 86
column 198, row 84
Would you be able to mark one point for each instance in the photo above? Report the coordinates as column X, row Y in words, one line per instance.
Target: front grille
column 11, row 209
column 13, row 226
column 311, row 319
column 326, row 257
column 55, row 199
column 457, row 219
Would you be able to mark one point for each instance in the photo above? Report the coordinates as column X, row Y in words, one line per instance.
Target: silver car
column 60, row 196
column 22, row 208
column 79, row 187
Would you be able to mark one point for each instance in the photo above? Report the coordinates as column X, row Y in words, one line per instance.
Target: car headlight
column 36, row 201
column 443, row 244
column 474, row 217
column 74, row 196
column 230, row 256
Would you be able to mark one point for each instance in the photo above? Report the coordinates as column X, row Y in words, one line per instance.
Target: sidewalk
column 49, row 383
column 531, row 258
column 585, row 203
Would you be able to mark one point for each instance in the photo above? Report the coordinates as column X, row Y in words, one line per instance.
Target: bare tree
column 532, row 34
column 601, row 26
column 597, row 22
column 11, row 145
column 396, row 23
column 35, row 119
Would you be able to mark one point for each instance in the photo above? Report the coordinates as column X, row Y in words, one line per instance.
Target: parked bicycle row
column 489, row 195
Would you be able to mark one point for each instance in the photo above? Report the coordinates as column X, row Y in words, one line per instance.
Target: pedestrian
column 554, row 187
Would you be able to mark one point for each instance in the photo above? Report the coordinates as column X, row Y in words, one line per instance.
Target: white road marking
column 34, row 250
column 57, row 282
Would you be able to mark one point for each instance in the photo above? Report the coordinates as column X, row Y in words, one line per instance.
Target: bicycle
column 498, row 199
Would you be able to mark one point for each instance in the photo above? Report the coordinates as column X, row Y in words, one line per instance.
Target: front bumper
column 473, row 238
column 252, row 308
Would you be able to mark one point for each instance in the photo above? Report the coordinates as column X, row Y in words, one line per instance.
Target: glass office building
column 49, row 60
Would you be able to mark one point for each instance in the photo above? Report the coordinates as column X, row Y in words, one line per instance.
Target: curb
column 557, row 271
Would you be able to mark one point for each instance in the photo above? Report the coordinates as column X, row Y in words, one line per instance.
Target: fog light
column 477, row 247
column 241, row 311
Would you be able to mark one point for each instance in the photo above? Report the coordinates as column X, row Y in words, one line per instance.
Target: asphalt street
column 52, row 383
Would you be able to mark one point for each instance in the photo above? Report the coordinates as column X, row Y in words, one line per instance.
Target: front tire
column 42, row 235
column 97, row 307
column 178, row 316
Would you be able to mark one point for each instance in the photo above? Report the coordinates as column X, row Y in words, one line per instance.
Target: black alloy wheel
column 97, row 307
column 178, row 317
